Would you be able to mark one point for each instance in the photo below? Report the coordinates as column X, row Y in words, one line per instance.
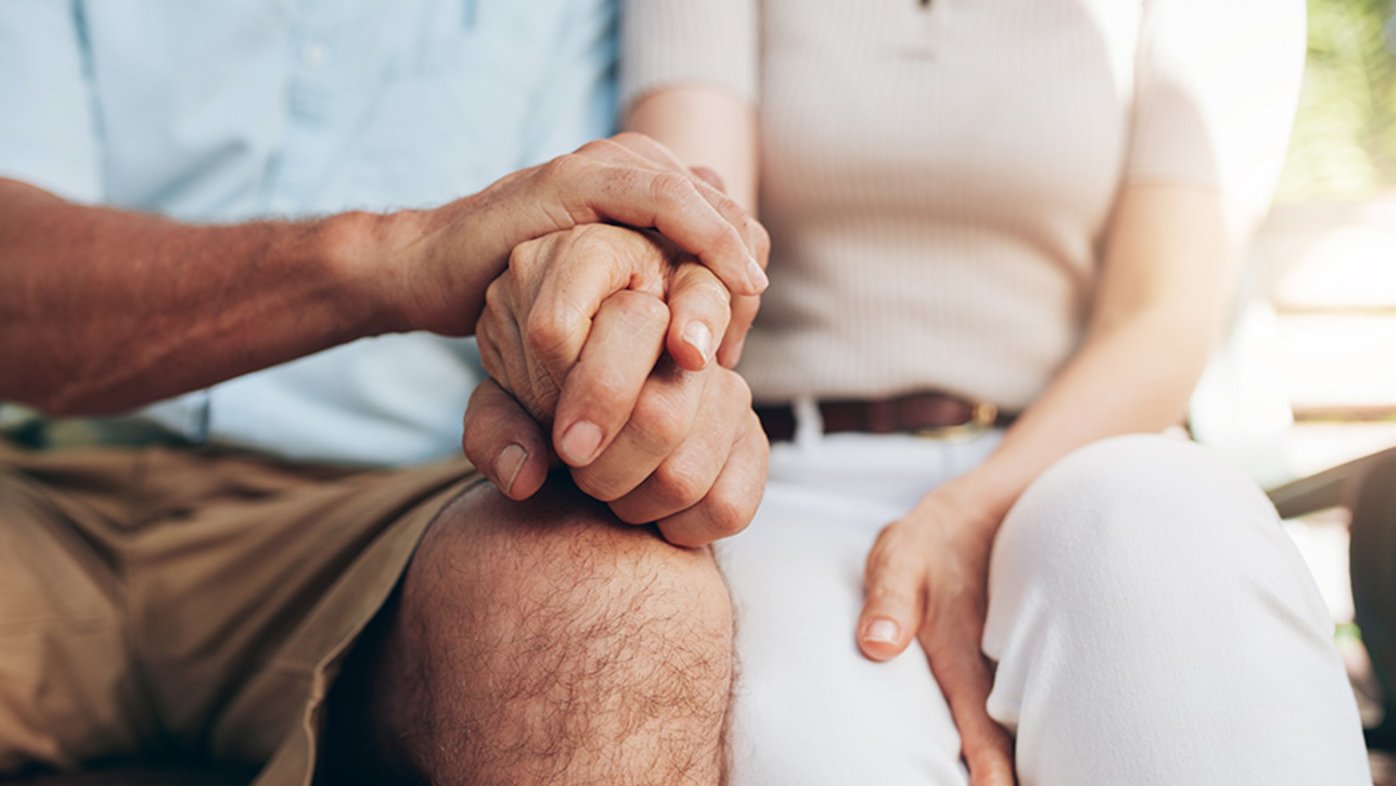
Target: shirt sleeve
column 709, row 42
column 1217, row 85
column 47, row 130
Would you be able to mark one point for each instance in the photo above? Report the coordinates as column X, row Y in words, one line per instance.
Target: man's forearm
column 104, row 310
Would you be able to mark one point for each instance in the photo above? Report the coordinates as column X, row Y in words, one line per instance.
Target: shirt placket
column 315, row 51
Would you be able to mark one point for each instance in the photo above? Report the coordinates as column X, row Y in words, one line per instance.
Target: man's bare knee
column 553, row 644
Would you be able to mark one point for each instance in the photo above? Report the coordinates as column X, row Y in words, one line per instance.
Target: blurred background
column 1308, row 379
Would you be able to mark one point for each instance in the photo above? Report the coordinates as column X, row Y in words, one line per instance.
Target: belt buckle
column 981, row 418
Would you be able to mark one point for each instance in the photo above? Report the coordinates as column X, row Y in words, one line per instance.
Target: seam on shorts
column 314, row 674
column 336, row 652
column 320, row 684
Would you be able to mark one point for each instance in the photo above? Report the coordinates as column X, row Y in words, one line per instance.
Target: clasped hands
column 602, row 344
column 610, row 350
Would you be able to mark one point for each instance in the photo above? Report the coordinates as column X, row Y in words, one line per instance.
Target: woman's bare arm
column 704, row 126
column 1169, row 271
column 1167, row 275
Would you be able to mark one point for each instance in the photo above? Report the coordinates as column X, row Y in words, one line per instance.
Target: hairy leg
column 544, row 642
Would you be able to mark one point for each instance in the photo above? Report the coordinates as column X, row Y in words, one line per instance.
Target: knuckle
column 671, row 189
column 495, row 298
column 496, row 369
column 681, row 483
column 893, row 577
column 728, row 512
column 721, row 298
column 586, row 239
column 735, row 389
column 489, row 356
column 484, row 330
column 604, row 246
column 630, row 138
column 561, row 168
column 492, row 367
column 885, row 596
column 630, row 514
column 702, row 283
column 605, row 384
column 649, row 309
column 525, row 257
column 543, row 332
column 597, row 146
column 594, row 485
column 730, row 208
column 659, row 420
column 660, row 434
column 519, row 258
column 724, row 235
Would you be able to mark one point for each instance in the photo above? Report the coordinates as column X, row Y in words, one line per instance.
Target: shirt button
column 314, row 55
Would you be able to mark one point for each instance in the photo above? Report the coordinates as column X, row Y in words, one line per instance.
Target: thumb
column 895, row 595
column 503, row 441
column 700, row 306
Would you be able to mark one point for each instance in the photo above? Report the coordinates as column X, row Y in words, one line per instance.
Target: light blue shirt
column 218, row 111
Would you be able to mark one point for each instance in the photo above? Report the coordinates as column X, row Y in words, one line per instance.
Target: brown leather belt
column 938, row 415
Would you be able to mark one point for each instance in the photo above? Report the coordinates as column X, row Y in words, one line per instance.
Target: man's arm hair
column 103, row 310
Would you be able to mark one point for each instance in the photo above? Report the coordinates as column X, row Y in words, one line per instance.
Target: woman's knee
column 1137, row 518
column 1146, row 575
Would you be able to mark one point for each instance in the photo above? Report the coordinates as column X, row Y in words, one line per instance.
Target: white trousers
column 1151, row 622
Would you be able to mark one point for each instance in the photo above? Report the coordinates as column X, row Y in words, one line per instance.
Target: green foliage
column 1345, row 136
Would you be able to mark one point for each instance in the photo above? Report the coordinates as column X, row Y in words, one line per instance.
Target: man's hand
column 452, row 252
column 927, row 578
column 577, row 332
column 693, row 461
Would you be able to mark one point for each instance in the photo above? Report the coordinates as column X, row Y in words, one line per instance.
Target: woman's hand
column 589, row 333
column 544, row 309
column 927, row 578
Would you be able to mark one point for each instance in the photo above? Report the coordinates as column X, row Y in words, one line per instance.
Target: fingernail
column 580, row 441
column 758, row 276
column 882, row 631
column 697, row 335
column 507, row 465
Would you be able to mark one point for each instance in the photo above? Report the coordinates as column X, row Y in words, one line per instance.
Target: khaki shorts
column 191, row 601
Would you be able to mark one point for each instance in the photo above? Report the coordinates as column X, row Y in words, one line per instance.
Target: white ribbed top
column 937, row 180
